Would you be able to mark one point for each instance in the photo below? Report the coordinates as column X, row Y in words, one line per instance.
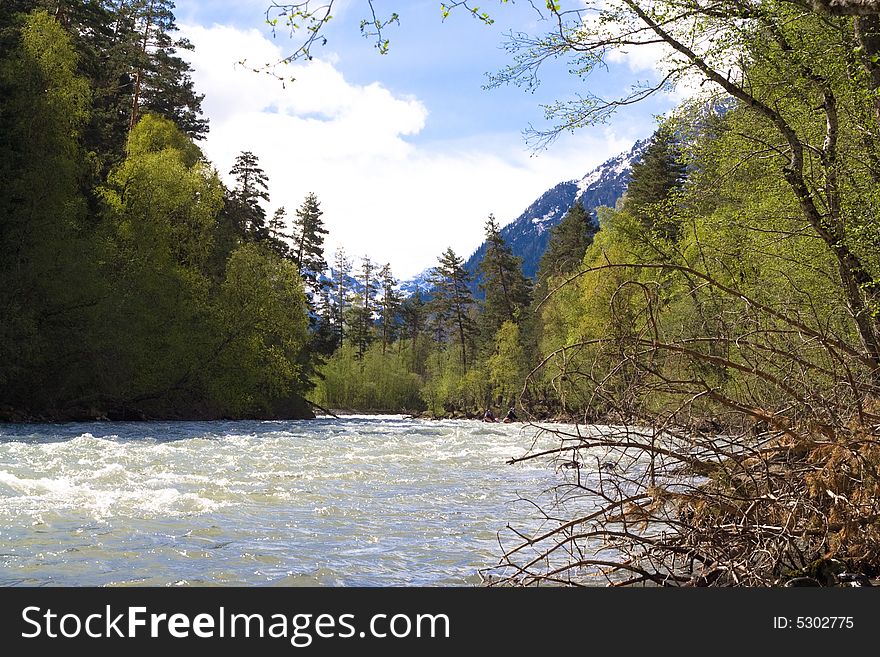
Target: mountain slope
column 529, row 234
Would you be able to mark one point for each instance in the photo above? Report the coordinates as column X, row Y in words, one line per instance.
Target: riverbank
column 291, row 409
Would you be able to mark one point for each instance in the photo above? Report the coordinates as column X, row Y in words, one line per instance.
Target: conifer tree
column 277, row 235
column 160, row 80
column 413, row 316
column 361, row 332
column 308, row 241
column 507, row 290
column 341, row 290
column 452, row 302
column 389, row 306
column 654, row 180
column 251, row 187
column 325, row 338
column 169, row 91
column 569, row 240
column 127, row 51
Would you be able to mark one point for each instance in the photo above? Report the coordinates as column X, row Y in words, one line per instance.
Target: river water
column 359, row 501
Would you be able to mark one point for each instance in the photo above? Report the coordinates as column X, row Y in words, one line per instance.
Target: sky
column 407, row 152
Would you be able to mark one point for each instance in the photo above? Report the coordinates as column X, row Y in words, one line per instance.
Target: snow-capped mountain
column 529, row 234
column 420, row 281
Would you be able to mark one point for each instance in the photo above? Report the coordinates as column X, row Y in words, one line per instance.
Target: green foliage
column 655, row 179
column 188, row 345
column 507, row 291
column 244, row 202
column 155, row 134
column 389, row 307
column 163, row 199
column 308, row 241
column 449, row 391
column 506, row 366
column 340, row 293
column 157, row 291
column 451, row 304
column 569, row 240
column 376, row 381
column 260, row 355
column 161, row 82
column 360, row 320
column 47, row 281
column 131, row 298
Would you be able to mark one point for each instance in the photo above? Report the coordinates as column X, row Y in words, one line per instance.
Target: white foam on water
column 307, row 497
column 36, row 487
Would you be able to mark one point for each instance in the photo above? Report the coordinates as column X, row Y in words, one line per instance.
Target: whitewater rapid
column 358, row 501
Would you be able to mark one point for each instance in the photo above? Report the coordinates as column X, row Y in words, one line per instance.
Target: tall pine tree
column 325, row 338
column 277, row 235
column 413, row 316
column 340, row 277
column 243, row 203
column 654, row 181
column 569, row 241
column 308, row 242
column 452, row 303
column 160, row 79
column 507, row 290
column 389, row 306
column 361, row 332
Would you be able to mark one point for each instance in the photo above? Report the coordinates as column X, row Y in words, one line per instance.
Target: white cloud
column 383, row 195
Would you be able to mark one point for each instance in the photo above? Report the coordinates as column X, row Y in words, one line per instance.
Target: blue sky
column 407, row 152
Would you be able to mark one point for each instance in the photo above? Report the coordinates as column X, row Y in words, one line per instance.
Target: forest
column 133, row 284
column 729, row 302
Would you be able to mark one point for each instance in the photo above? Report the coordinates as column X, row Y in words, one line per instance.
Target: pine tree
column 127, row 53
column 169, row 91
column 308, row 241
column 413, row 315
column 389, row 306
column 361, row 331
column 160, row 79
column 413, row 320
column 251, row 187
column 325, row 339
column 568, row 244
column 653, row 183
column 452, row 302
column 339, row 284
column 569, row 241
column 507, row 290
column 277, row 235
column 91, row 28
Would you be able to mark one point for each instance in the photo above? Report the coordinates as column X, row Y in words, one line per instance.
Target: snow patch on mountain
column 529, row 234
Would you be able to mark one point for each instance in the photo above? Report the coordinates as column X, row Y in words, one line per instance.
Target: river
column 358, row 501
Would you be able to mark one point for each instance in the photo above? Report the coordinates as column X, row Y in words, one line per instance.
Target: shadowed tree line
column 133, row 284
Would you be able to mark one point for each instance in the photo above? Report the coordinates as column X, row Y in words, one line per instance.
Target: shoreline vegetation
column 730, row 301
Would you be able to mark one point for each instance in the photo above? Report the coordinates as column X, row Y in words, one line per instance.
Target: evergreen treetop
column 251, row 187
column 507, row 290
column 308, row 240
column 654, row 180
column 452, row 302
column 569, row 240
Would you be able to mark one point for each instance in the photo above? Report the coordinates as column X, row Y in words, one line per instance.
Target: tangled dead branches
column 752, row 458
